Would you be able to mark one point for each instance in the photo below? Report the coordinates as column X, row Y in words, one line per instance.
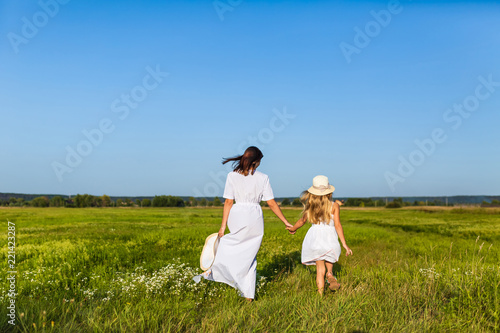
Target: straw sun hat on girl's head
column 321, row 186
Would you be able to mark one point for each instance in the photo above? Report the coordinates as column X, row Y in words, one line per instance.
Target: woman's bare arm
column 225, row 214
column 277, row 210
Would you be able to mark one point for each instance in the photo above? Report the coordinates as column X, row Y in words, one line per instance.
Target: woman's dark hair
column 247, row 161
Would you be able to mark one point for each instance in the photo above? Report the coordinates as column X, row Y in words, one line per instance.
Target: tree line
column 395, row 203
column 493, row 203
column 369, row 202
column 87, row 200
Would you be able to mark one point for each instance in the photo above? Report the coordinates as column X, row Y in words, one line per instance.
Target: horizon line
column 151, row 196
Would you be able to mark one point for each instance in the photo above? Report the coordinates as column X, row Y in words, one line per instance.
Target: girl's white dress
column 321, row 243
column 235, row 262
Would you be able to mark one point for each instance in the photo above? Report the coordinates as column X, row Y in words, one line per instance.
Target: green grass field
column 130, row 270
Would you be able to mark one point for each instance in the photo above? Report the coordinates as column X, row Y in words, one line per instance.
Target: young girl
column 321, row 245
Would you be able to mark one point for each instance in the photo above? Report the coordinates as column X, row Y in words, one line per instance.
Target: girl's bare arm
column 338, row 227
column 297, row 225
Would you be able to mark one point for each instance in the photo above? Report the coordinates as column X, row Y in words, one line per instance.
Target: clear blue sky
column 350, row 104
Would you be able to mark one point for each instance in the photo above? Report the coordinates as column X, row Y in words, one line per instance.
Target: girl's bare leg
column 329, row 268
column 320, row 276
column 334, row 285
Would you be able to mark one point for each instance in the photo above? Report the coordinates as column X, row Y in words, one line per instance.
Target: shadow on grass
column 280, row 265
column 284, row 264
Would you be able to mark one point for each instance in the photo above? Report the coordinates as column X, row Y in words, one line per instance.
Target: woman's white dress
column 321, row 243
column 235, row 262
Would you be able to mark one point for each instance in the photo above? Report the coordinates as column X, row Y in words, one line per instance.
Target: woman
column 235, row 262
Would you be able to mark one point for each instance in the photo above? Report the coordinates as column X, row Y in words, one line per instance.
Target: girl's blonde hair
column 317, row 208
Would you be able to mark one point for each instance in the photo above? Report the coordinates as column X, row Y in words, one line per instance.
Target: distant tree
column 40, row 202
column 285, row 202
column 393, row 204
column 89, row 200
column 138, row 202
column 296, row 202
column 85, row 200
column 203, row 202
column 78, row 201
column 119, row 202
column 56, row 201
column 106, row 201
column 352, row 202
column 167, row 201
column 12, row 201
column 177, row 202
column 495, row 202
column 160, row 201
column 146, row 203
column 398, row 200
column 363, row 202
column 69, row 203
column 217, row 202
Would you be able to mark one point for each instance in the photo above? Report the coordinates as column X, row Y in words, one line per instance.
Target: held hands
column 292, row 229
column 289, row 226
